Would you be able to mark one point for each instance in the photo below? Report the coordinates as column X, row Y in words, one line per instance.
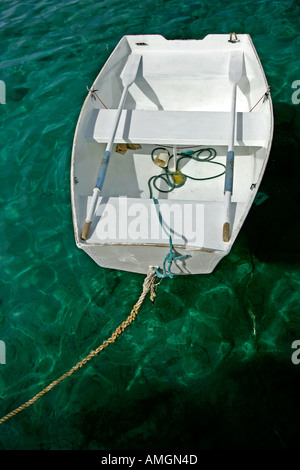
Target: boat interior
column 179, row 104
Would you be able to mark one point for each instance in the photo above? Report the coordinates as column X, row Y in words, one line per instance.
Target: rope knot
column 170, row 257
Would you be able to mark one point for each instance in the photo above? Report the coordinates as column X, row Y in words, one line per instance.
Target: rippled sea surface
column 209, row 366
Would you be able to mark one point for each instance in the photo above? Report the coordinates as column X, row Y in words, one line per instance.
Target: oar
column 128, row 76
column 235, row 75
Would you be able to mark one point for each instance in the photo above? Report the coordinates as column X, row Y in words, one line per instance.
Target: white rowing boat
column 169, row 151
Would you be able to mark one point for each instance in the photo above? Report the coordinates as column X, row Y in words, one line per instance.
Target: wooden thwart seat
column 180, row 127
column 136, row 221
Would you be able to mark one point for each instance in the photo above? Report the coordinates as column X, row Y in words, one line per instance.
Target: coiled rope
column 168, row 176
column 148, row 285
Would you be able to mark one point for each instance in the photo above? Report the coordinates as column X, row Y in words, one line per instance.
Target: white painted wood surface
column 181, row 127
column 181, row 97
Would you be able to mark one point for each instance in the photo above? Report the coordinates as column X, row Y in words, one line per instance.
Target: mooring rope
column 171, row 255
column 148, row 285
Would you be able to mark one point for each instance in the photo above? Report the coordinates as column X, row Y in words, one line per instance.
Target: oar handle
column 90, row 214
column 86, row 229
column 235, row 75
column 226, row 232
column 228, row 185
column 226, row 225
column 228, row 192
column 97, row 189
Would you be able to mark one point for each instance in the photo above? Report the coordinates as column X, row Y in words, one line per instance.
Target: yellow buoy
column 178, row 177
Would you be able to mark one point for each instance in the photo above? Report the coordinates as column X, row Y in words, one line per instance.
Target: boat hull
column 138, row 258
column 169, row 108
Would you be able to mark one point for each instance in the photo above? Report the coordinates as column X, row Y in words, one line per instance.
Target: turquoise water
column 209, row 366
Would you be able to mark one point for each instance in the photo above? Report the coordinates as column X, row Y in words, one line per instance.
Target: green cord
column 171, row 256
column 167, row 175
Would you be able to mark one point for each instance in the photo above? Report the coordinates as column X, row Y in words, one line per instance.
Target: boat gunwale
column 156, row 245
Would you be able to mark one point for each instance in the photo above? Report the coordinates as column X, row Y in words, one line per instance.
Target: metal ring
column 231, row 38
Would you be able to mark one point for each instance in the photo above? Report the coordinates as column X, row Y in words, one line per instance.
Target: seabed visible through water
column 209, row 366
